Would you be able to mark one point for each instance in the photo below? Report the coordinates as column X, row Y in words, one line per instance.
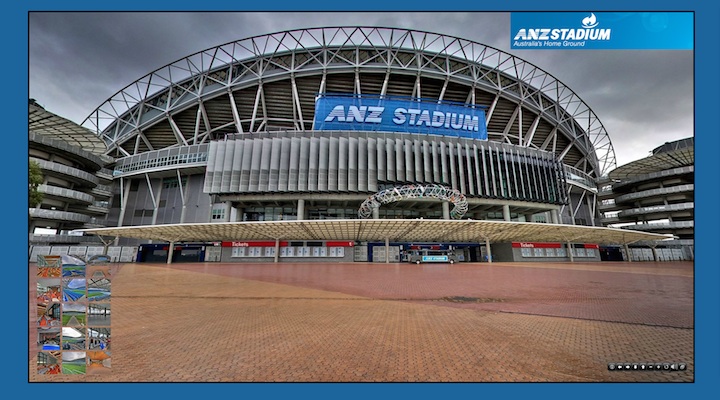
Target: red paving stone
column 360, row 322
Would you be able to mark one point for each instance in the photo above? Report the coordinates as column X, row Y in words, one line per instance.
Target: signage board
column 349, row 112
column 434, row 258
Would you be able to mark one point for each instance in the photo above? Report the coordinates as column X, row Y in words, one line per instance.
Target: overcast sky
column 79, row 60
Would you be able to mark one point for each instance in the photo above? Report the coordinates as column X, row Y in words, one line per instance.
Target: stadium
column 655, row 194
column 346, row 123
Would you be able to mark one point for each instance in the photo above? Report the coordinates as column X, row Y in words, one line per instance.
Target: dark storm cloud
column 78, row 60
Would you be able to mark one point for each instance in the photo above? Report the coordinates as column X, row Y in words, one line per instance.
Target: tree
column 35, row 178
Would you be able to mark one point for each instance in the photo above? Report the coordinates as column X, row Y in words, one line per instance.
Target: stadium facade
column 654, row 194
column 295, row 125
column 230, row 134
column 77, row 186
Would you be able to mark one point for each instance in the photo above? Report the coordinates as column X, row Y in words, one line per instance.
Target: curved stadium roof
column 269, row 82
column 46, row 123
column 680, row 153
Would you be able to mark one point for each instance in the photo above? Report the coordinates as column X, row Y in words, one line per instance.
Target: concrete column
column 301, row 210
column 570, row 207
column 446, row 210
column 124, row 194
column 570, row 252
column 228, row 208
column 591, row 209
column 277, row 250
column 655, row 256
column 155, row 198
column 183, row 193
column 554, row 216
column 506, row 212
column 528, row 217
column 387, row 251
column 171, row 247
column 627, row 253
column 236, row 214
column 487, row 250
column 376, row 213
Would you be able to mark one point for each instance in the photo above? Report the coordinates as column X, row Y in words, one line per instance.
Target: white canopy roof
column 413, row 230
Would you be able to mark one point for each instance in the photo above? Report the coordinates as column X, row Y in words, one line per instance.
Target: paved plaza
column 363, row 322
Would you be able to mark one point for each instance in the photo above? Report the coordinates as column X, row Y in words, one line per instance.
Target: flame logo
column 589, row 22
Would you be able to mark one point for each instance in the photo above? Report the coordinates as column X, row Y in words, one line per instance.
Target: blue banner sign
column 348, row 112
column 435, row 258
column 602, row 30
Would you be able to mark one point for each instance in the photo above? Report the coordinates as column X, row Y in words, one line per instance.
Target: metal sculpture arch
column 406, row 192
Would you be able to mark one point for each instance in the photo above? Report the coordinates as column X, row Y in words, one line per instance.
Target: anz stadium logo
column 562, row 37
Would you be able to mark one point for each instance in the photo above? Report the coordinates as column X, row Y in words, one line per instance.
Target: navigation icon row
column 647, row 366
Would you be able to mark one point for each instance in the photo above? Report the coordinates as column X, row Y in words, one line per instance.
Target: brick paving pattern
column 356, row 322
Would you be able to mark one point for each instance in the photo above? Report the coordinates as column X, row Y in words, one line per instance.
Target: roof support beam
column 491, row 110
column 145, row 140
column 206, row 120
column 198, row 119
column 178, row 134
column 236, row 115
column 258, row 93
column 531, row 131
column 510, row 123
column 298, row 108
column 566, row 150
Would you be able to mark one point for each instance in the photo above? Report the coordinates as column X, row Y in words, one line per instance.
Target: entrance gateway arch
column 412, row 191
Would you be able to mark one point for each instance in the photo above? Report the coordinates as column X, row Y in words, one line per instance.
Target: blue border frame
column 707, row 335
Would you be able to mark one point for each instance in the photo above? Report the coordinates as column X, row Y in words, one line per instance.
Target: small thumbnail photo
column 99, row 314
column 48, row 363
column 73, row 362
column 74, row 314
column 49, row 340
column 98, row 289
column 74, row 338
column 98, row 362
column 48, row 316
column 74, row 289
column 98, row 338
column 72, row 266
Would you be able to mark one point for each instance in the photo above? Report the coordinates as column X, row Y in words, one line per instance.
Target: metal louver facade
column 332, row 162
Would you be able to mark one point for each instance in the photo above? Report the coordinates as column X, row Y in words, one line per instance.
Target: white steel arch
column 407, row 192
